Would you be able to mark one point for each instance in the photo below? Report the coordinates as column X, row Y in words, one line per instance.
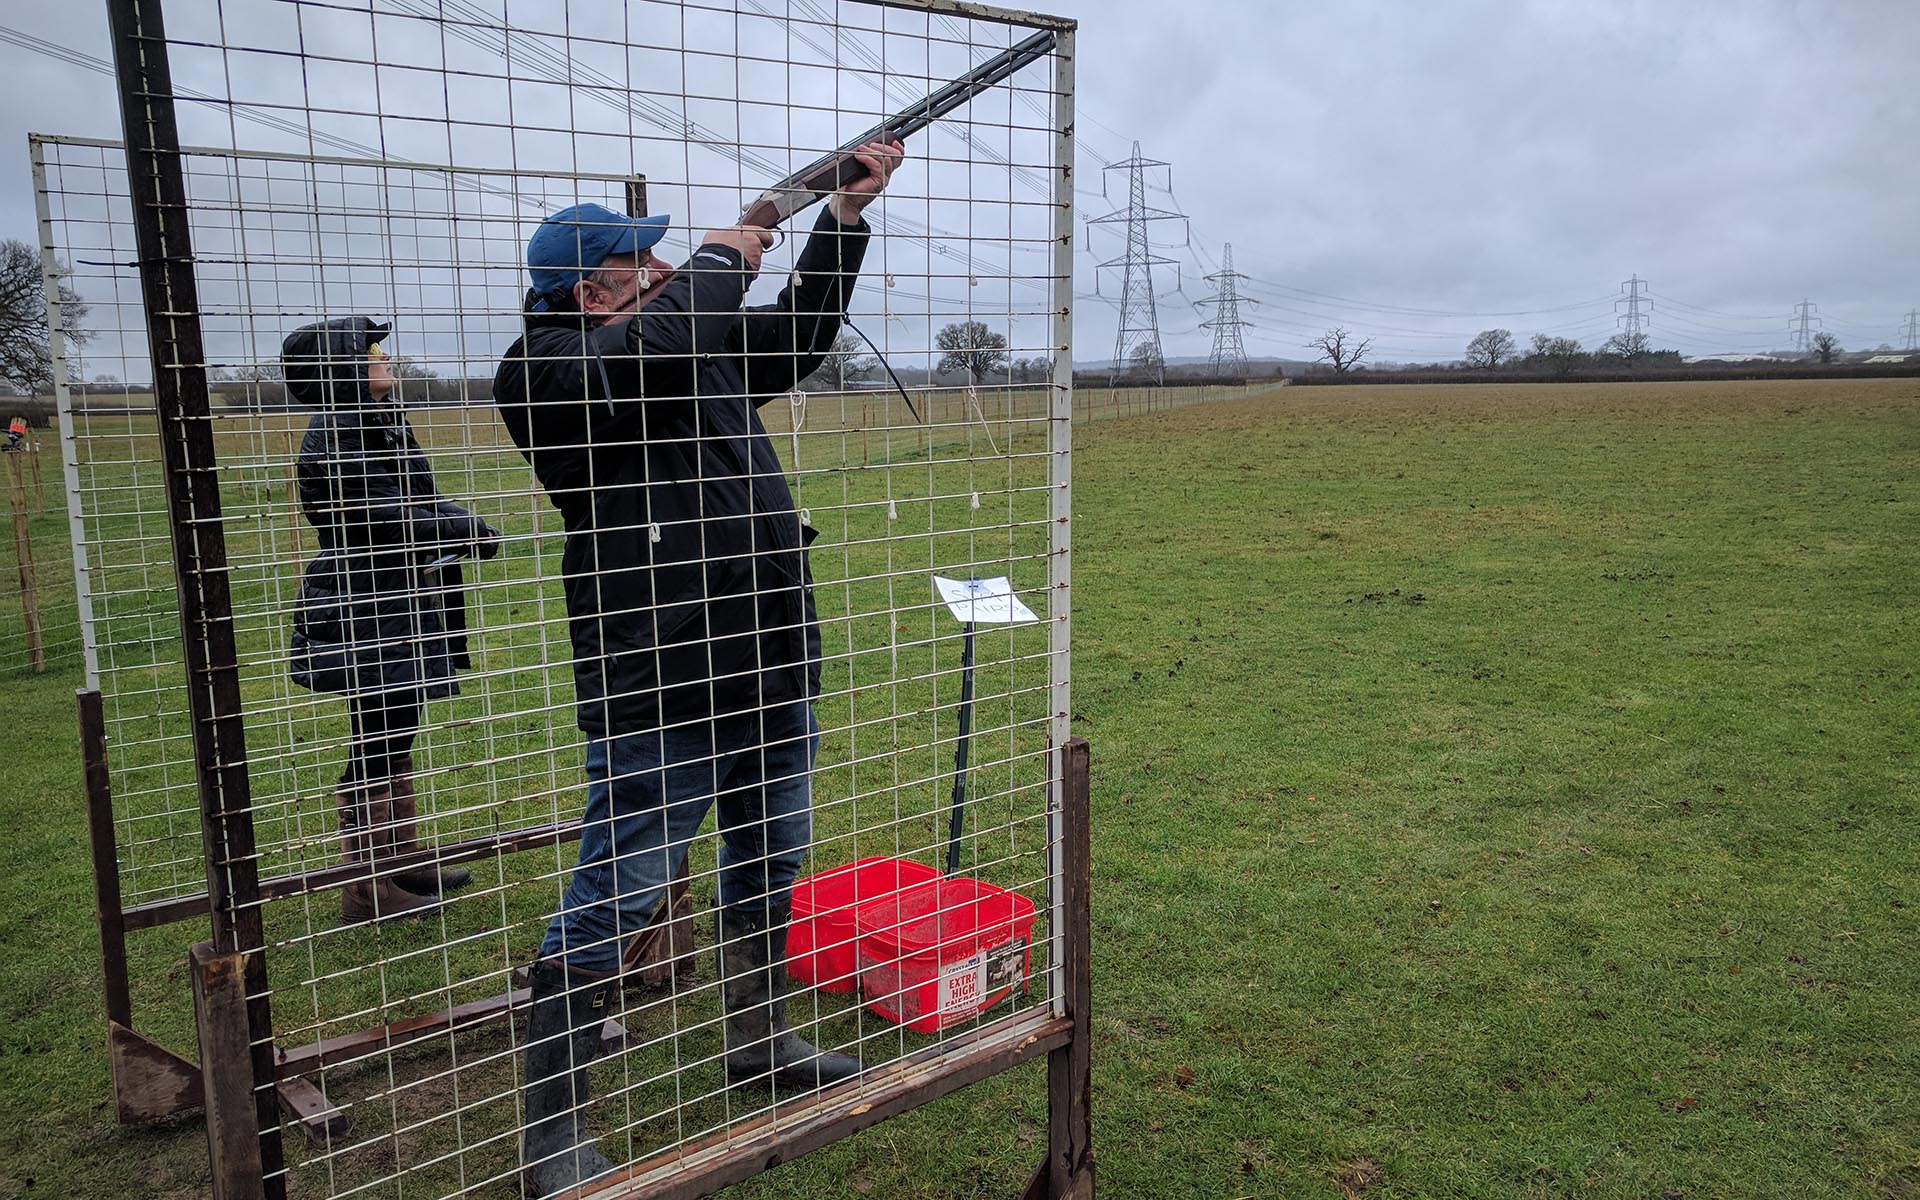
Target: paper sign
column 971, row 984
column 960, row 984
column 983, row 601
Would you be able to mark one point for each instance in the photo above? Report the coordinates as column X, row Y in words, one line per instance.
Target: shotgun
column 835, row 170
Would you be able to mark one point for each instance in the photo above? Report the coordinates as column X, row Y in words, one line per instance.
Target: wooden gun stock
column 819, row 180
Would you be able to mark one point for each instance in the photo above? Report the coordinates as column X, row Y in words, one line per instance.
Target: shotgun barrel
column 837, row 169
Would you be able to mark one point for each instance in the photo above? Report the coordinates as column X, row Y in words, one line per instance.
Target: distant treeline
column 1175, row 379
column 269, row 395
column 1598, row 374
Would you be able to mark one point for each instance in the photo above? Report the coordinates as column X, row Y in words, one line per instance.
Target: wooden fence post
column 23, row 556
column 226, row 1072
column 1068, row 1173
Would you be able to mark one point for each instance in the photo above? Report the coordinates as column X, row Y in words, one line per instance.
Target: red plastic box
column 820, row 942
column 943, row 952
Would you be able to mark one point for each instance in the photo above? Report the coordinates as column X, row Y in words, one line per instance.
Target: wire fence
column 39, row 617
column 43, row 597
column 430, row 680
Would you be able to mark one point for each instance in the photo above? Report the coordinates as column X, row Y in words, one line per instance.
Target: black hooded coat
column 374, row 614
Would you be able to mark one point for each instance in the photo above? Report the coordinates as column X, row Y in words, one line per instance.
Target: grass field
column 1498, row 792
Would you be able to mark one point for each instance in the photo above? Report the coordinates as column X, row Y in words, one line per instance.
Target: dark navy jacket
column 685, row 569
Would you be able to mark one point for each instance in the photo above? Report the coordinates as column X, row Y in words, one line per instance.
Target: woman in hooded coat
column 380, row 618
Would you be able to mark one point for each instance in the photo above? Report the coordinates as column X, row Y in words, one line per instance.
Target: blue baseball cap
column 572, row 243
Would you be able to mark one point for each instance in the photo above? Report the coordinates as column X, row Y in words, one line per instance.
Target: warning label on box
column 1006, row 966
column 967, row 983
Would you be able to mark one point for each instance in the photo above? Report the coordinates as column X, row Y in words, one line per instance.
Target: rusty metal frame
column 157, row 189
column 151, row 1082
column 244, row 1079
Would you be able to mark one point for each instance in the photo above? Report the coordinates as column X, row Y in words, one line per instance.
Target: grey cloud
column 1472, row 157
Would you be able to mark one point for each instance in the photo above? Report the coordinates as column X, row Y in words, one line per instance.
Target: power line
column 1408, row 311
column 1691, row 328
column 1032, row 104
column 76, row 58
column 479, row 29
column 1318, row 312
column 1767, row 318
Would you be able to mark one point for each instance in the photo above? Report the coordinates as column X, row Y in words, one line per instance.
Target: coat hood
column 325, row 364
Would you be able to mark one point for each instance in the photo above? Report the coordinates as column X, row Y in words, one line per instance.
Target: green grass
column 1498, row 792
column 897, row 508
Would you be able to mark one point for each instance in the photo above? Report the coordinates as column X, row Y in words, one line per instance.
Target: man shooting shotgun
column 634, row 395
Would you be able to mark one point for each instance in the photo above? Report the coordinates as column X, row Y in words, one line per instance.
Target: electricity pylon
column 1805, row 318
column 1229, row 353
column 1139, row 317
column 1633, row 295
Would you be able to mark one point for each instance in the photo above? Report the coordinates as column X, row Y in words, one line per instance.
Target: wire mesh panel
column 117, row 517
column 39, row 619
column 785, row 597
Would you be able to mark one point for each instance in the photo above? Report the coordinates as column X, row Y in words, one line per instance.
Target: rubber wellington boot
column 563, row 1036
column 424, row 881
column 761, row 1049
column 367, row 838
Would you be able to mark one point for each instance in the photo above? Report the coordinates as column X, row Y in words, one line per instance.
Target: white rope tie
column 797, row 420
column 980, row 415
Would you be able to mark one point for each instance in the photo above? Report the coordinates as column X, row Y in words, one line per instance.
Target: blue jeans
column 647, row 795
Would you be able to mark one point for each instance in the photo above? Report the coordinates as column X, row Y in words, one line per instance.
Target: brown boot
column 367, row 838
column 427, row 881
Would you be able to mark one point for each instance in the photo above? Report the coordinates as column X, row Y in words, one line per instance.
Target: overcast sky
column 1405, row 169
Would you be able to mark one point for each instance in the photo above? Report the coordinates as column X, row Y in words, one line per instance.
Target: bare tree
column 102, row 382
column 252, row 386
column 414, row 381
column 1628, row 347
column 1560, row 354
column 1340, row 348
column 1146, row 359
column 1489, row 348
column 971, row 347
column 854, row 364
column 26, row 361
column 1037, row 369
column 1825, row 347
column 844, row 361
